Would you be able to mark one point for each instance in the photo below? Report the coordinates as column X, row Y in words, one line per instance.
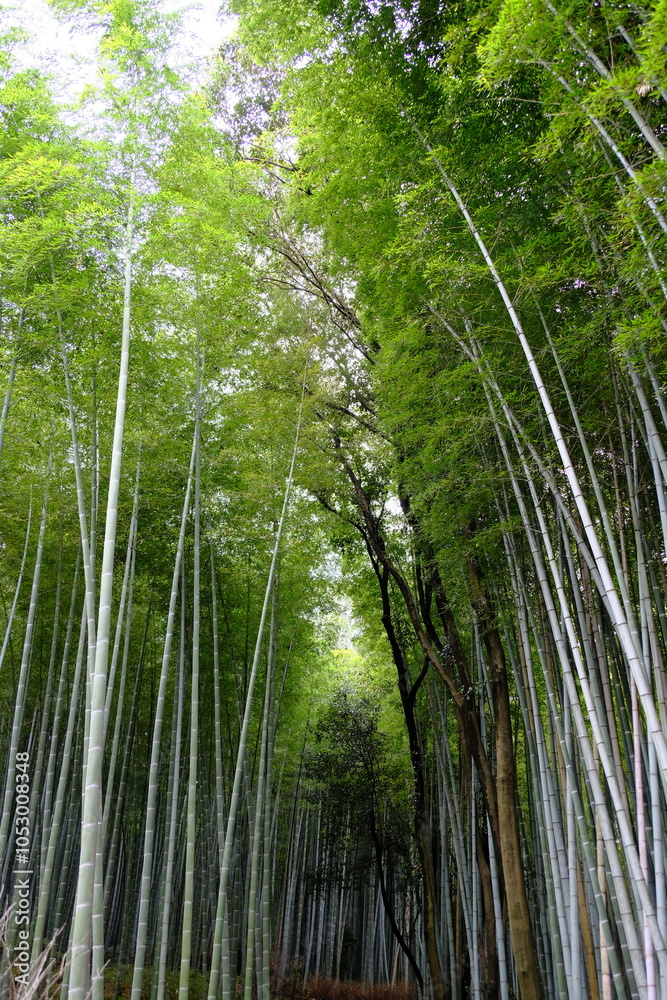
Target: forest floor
column 118, row 986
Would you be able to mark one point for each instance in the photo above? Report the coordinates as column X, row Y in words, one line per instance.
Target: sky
column 68, row 53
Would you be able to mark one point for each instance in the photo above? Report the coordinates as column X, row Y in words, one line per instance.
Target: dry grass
column 321, row 988
column 43, row 977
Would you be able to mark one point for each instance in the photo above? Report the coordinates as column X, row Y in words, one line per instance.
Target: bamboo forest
column 333, row 500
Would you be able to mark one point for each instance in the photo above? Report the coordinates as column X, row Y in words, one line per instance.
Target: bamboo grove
column 333, row 450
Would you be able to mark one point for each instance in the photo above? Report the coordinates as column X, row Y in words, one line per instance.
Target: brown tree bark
column 499, row 790
column 408, row 692
column 521, row 932
column 490, row 955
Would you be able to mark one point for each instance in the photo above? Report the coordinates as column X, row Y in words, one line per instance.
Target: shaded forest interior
column 333, row 504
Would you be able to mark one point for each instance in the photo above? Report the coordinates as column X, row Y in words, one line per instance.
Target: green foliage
column 301, row 220
column 355, row 772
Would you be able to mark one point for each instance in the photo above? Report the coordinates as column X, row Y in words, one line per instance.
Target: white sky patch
column 68, row 52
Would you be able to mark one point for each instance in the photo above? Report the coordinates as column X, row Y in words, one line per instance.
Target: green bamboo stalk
column 129, row 567
column 60, row 800
column 55, row 730
column 219, row 772
column 242, row 748
column 111, row 796
column 17, row 589
column 93, row 803
column 149, row 831
column 120, row 797
column 600, row 802
column 10, row 383
column 46, row 724
column 260, row 807
column 21, row 692
column 188, row 897
column 622, row 626
column 172, row 806
column 266, row 861
column 173, row 815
